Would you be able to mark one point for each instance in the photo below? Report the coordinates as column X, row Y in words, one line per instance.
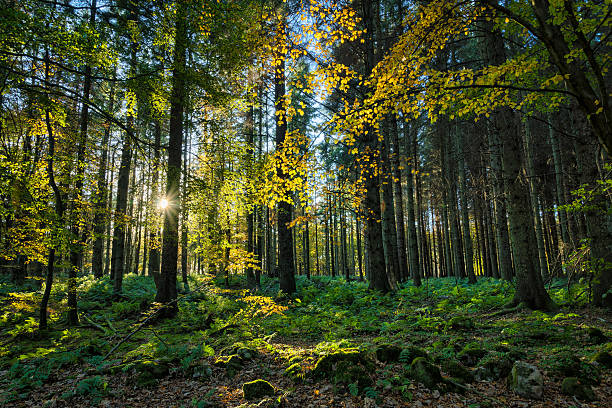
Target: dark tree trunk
column 285, row 237
column 167, row 291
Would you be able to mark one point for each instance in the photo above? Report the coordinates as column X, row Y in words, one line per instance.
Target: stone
column 345, row 367
column 386, row 353
column 596, row 336
column 257, row 389
column 471, row 354
column 247, row 354
column 410, row 352
column 457, row 370
column 149, row 371
column 295, row 372
column 493, row 368
column 424, row 372
column 526, row 380
column 603, row 358
column 574, row 387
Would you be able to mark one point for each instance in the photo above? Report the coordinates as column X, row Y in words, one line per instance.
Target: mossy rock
column 348, row 373
column 326, row 365
column 604, row 359
column 247, row 353
column 493, row 368
column 589, row 373
column 410, row 352
column 149, row 371
column 257, row 389
column 295, row 372
column 574, row 387
column 471, row 354
column 596, row 336
column 201, row 371
column 233, row 361
column 461, row 323
column 232, row 364
column 425, row 372
column 388, row 353
column 456, row 370
column 526, row 380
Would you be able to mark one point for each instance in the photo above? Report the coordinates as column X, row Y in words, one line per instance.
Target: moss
column 596, row 336
column 149, row 371
column 493, row 367
column 326, row 365
column 471, row 354
column 574, row 387
column 257, row 389
column 247, row 353
column 424, row 372
column 457, row 371
column 461, row 323
column 387, row 353
column 410, row 352
column 526, row 380
column 603, row 358
column 295, row 372
column 232, row 364
column 345, row 367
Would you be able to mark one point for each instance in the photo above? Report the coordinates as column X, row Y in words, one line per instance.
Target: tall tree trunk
column 372, row 204
column 535, row 205
column 285, row 237
column 123, row 180
column 529, row 285
column 154, row 237
column 100, row 221
column 59, row 212
column 167, row 291
column 388, row 210
column 465, row 218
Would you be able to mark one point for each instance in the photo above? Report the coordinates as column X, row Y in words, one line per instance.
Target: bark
column 167, row 291
column 59, row 212
column 376, row 256
column 154, row 237
column 99, row 222
column 286, row 267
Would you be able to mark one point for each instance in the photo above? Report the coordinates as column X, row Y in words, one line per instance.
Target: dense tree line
column 382, row 140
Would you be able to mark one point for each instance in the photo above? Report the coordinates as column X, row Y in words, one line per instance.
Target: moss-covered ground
column 335, row 344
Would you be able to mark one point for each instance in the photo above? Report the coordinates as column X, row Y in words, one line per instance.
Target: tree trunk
column 167, row 291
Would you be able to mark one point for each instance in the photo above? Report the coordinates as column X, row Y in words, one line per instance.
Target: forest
column 305, row 203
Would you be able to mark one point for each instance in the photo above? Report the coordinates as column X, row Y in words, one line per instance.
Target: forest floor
column 336, row 344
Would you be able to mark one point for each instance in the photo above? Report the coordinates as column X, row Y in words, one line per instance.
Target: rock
column 424, row 372
column 247, row 354
column 596, row 336
column 257, row 389
column 471, row 354
column 386, row 353
column 233, row 361
column 461, row 323
column 295, row 372
column 603, row 358
column 232, row 364
column 493, row 368
column 456, row 370
column 345, row 367
column 526, row 380
column 572, row 386
column 149, row 371
column 410, row 352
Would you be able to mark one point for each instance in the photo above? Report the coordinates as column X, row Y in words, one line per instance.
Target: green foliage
column 94, row 387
